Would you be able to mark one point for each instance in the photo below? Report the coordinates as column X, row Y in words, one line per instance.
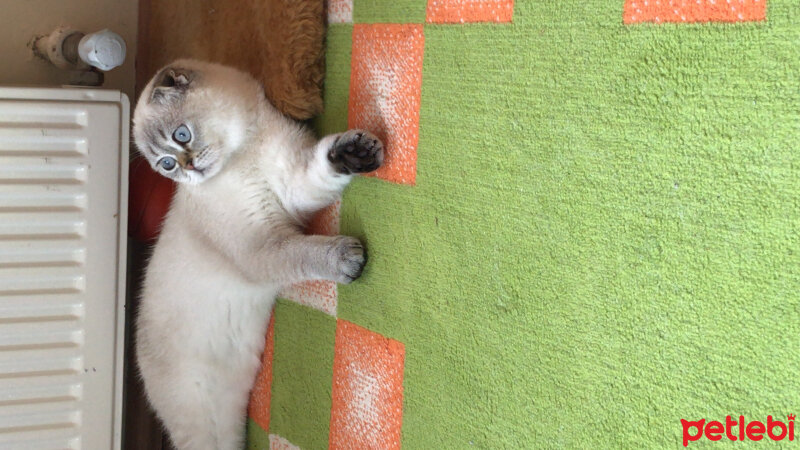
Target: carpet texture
column 602, row 236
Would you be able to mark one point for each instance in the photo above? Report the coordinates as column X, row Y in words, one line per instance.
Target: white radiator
column 63, row 205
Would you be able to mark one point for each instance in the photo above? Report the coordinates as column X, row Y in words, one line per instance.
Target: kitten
column 248, row 180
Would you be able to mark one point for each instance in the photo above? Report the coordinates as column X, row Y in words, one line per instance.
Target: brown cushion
column 280, row 42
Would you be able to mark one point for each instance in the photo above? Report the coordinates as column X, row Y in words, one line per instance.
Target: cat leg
column 181, row 398
column 333, row 162
column 300, row 257
column 292, row 257
column 231, row 390
column 207, row 410
column 230, row 414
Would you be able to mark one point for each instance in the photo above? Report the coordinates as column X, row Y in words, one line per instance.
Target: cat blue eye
column 182, row 134
column 167, row 163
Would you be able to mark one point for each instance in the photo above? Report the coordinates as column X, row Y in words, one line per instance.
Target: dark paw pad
column 356, row 151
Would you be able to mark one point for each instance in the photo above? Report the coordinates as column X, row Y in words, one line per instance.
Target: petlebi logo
column 738, row 430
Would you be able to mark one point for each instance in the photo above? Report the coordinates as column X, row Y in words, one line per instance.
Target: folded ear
column 171, row 83
column 175, row 77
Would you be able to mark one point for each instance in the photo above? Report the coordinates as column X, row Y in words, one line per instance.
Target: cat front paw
column 356, row 151
column 350, row 259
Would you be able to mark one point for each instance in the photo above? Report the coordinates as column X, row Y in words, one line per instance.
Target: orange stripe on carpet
column 261, row 395
column 318, row 294
column 659, row 11
column 465, row 11
column 367, row 408
column 385, row 84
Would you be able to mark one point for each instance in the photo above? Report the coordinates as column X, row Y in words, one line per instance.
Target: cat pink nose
column 189, row 166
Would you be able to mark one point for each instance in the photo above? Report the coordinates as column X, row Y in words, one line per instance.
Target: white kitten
column 248, row 180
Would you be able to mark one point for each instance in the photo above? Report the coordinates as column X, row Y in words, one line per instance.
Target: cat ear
column 176, row 78
column 172, row 82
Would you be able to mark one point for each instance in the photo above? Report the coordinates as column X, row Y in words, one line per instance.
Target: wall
column 21, row 20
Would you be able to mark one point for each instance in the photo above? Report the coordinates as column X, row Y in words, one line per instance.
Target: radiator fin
column 60, row 166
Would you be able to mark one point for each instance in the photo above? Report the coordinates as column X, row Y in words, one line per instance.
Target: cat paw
column 350, row 259
column 356, row 151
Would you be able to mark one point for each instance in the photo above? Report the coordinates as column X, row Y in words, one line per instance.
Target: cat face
column 193, row 116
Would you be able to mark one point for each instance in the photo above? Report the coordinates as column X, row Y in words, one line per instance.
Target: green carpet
column 603, row 238
column 302, row 366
